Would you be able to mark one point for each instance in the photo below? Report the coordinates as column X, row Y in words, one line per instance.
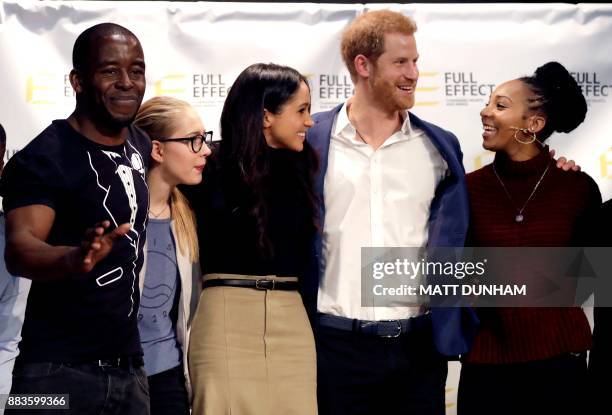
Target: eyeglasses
column 197, row 141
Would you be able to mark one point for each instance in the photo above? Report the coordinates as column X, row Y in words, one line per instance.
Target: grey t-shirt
column 156, row 317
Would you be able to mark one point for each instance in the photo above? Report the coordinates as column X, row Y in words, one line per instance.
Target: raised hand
column 96, row 246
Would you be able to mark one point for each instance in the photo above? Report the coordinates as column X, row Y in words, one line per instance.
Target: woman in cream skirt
column 252, row 349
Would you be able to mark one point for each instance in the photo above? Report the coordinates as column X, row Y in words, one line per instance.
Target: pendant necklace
column 519, row 216
column 160, row 213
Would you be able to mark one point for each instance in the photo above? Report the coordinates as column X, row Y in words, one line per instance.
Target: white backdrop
column 195, row 50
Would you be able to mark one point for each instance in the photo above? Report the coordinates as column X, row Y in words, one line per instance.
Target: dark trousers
column 552, row 386
column 361, row 374
column 91, row 389
column 168, row 393
column 600, row 359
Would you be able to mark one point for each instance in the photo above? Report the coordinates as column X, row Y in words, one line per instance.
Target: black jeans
column 360, row 374
column 552, row 386
column 91, row 389
column 168, row 393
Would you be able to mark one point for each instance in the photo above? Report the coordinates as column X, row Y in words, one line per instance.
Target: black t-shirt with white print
column 90, row 316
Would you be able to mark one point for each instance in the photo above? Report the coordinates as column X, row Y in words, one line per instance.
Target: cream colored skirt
column 252, row 352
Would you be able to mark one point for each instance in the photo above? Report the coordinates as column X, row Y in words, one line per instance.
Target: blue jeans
column 91, row 389
column 13, row 297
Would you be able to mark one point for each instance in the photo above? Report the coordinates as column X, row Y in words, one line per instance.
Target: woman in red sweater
column 528, row 360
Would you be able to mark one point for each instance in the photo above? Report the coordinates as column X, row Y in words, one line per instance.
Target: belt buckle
column 399, row 329
column 260, row 287
column 108, row 362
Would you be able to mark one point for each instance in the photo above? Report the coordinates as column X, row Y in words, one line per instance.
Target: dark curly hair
column 558, row 97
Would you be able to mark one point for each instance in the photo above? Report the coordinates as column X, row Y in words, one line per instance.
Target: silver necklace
column 359, row 134
column 159, row 214
column 361, row 137
column 519, row 216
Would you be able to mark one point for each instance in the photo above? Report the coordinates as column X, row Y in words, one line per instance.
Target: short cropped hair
column 84, row 42
column 366, row 35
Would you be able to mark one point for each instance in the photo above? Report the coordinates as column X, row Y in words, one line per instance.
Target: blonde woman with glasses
column 168, row 282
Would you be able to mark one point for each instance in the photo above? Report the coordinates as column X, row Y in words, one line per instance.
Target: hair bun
column 566, row 106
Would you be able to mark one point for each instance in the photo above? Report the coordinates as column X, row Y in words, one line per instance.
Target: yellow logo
column 605, row 162
column 40, row 88
column 482, row 159
column 451, row 397
column 428, row 88
column 310, row 77
column 171, row 84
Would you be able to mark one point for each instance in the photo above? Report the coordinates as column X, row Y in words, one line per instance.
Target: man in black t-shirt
column 76, row 205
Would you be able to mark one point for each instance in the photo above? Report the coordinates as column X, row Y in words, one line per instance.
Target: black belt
column 126, row 362
column 121, row 362
column 380, row 328
column 256, row 284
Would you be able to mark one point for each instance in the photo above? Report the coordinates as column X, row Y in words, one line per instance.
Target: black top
column 90, row 316
column 228, row 232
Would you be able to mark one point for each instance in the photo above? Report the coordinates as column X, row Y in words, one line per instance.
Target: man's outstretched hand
column 96, row 246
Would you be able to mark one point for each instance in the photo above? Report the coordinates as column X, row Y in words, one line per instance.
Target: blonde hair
column 159, row 117
column 366, row 35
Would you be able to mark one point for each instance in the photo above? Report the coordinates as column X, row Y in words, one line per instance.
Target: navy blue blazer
column 454, row 328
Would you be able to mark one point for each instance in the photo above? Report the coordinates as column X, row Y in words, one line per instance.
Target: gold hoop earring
column 525, row 131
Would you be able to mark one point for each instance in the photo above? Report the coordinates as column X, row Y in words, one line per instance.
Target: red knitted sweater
column 553, row 217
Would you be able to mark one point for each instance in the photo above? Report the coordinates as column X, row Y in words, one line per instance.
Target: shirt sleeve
column 143, row 143
column 29, row 180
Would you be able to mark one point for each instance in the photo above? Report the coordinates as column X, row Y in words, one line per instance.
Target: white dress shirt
column 373, row 198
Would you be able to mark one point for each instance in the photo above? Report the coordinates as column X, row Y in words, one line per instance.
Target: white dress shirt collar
column 344, row 129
